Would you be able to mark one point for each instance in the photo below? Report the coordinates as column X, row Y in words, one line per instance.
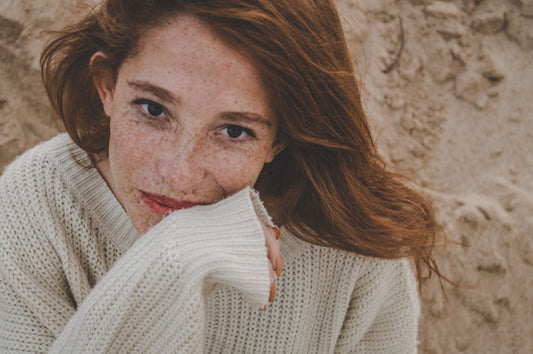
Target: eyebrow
column 247, row 117
column 159, row 92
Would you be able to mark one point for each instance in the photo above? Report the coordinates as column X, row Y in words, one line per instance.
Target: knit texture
column 76, row 277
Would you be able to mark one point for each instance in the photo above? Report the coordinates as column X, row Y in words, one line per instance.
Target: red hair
column 329, row 186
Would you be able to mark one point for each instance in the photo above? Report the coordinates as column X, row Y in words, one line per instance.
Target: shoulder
column 39, row 165
column 386, row 281
column 381, row 280
column 365, row 266
column 357, row 292
column 35, row 184
column 27, row 204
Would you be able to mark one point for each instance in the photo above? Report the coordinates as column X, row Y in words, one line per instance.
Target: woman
column 139, row 231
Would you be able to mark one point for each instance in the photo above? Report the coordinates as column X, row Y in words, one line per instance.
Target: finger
column 271, row 272
column 277, row 232
column 279, row 266
column 272, row 245
column 272, row 295
column 272, row 292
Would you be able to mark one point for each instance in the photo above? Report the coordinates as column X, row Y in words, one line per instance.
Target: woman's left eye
column 237, row 132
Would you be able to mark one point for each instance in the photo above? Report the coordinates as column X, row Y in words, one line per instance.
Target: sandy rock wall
column 448, row 88
column 25, row 114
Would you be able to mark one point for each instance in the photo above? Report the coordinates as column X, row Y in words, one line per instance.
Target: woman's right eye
column 151, row 108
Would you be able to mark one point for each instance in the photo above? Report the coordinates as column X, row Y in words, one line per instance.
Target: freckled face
column 190, row 123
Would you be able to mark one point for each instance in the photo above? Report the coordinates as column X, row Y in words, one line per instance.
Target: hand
column 272, row 235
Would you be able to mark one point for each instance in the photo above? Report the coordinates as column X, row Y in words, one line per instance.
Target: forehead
column 185, row 36
column 184, row 55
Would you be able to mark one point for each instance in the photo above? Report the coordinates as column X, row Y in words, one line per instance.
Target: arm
column 152, row 298
column 384, row 311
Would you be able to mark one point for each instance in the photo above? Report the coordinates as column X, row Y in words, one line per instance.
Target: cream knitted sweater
column 76, row 277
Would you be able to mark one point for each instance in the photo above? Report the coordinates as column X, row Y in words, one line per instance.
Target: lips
column 163, row 206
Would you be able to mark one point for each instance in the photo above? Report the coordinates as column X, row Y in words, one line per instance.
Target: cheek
column 129, row 160
column 233, row 174
column 128, row 150
column 122, row 144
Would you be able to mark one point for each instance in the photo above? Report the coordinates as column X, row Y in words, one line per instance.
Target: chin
column 144, row 223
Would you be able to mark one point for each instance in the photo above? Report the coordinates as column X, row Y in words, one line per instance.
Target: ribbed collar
column 290, row 245
column 90, row 188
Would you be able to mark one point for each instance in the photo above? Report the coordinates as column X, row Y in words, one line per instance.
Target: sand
column 448, row 90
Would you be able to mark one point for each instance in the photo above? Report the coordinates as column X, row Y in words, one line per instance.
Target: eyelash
column 156, row 119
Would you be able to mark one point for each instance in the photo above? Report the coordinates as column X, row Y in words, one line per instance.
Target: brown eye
column 237, row 132
column 152, row 108
column 234, row 131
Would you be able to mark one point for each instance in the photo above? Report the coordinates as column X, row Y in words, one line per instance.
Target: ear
column 277, row 146
column 103, row 81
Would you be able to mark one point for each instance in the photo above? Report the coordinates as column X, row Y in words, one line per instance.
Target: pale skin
column 189, row 124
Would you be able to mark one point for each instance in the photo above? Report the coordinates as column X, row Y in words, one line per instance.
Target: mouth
column 163, row 206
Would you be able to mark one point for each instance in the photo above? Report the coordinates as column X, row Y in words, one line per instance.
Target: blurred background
column 448, row 87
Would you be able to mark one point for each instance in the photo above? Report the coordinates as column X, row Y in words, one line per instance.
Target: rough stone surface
column 490, row 18
column 446, row 10
column 526, row 6
column 520, row 29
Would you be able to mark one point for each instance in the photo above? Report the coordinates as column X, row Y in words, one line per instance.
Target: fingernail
column 272, row 292
column 279, row 266
column 277, row 230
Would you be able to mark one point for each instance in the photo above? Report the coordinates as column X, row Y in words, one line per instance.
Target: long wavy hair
column 329, row 186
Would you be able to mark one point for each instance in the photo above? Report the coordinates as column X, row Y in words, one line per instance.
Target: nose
column 182, row 164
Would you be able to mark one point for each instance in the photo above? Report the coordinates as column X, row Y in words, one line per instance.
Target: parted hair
column 329, row 186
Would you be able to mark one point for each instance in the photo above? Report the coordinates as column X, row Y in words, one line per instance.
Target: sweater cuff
column 224, row 243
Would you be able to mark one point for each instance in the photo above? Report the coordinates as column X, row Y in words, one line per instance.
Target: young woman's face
column 190, row 123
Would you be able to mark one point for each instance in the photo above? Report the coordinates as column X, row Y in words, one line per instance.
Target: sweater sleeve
column 388, row 298
column 152, row 299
